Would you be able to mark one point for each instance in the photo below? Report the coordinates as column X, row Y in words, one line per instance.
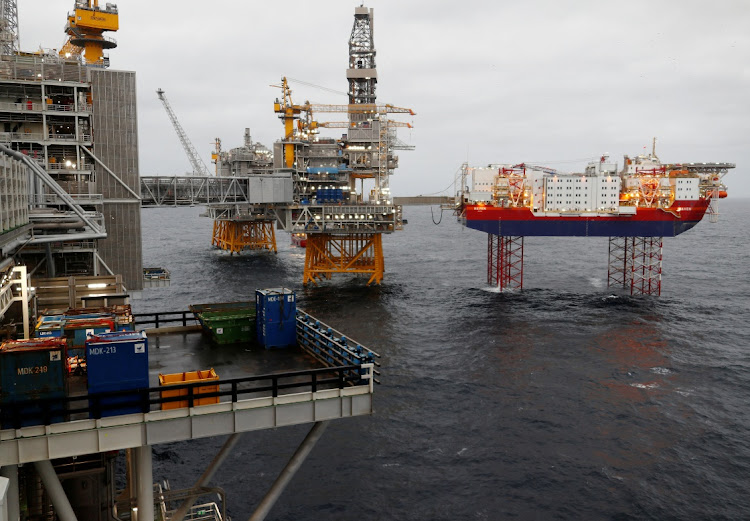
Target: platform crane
column 199, row 167
column 289, row 112
column 85, row 29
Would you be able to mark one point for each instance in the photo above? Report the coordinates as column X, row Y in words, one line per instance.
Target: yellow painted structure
column 288, row 112
column 327, row 254
column 85, row 28
column 95, row 19
column 235, row 236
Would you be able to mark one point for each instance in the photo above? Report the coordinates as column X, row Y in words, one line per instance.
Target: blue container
column 87, row 316
column 275, row 304
column 33, row 382
column 272, row 335
column 80, row 330
column 49, row 330
column 117, row 362
column 49, row 326
column 339, row 194
column 276, row 311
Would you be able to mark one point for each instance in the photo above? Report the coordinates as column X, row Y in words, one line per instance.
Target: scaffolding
column 357, row 253
column 9, row 43
column 505, row 262
column 235, row 236
column 635, row 264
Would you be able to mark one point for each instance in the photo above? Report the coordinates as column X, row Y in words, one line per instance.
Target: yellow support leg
column 327, row 254
column 235, row 236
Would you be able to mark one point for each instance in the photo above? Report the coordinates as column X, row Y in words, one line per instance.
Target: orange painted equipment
column 188, row 377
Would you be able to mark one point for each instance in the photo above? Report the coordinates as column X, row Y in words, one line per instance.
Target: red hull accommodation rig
column 635, row 208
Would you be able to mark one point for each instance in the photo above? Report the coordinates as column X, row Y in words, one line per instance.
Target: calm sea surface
column 563, row 401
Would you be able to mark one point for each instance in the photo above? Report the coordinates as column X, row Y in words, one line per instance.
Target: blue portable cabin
column 276, row 311
column 33, row 382
column 117, row 361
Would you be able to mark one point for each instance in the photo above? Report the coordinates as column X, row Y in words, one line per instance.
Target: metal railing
column 41, row 68
column 42, row 136
column 34, row 106
column 157, row 320
column 166, row 501
column 47, row 411
column 62, row 166
column 54, row 199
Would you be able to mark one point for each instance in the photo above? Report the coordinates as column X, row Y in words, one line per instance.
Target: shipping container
column 276, row 311
column 221, row 306
column 33, row 382
column 227, row 322
column 78, row 330
column 49, row 330
column 121, row 315
column 275, row 304
column 117, row 361
column 189, row 377
column 273, row 335
column 229, row 327
column 49, row 326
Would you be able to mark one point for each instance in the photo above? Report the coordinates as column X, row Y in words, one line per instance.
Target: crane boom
column 199, row 167
column 538, row 168
column 349, row 124
column 362, row 108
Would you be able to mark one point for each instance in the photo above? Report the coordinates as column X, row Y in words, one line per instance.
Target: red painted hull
column 646, row 222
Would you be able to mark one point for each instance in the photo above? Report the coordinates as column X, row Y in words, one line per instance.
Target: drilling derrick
column 8, row 27
column 85, row 29
column 362, row 74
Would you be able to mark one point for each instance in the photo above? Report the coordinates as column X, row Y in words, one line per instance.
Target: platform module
column 337, row 190
column 636, row 207
column 56, row 425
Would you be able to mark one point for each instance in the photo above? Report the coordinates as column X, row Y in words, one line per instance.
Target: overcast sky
column 549, row 81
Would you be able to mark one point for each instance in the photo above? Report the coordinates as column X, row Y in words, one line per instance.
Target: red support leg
column 635, row 264
column 505, row 262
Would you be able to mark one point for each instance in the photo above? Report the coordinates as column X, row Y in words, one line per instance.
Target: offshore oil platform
column 81, row 392
column 334, row 194
column 635, row 207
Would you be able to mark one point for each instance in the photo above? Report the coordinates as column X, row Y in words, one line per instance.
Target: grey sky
column 548, row 81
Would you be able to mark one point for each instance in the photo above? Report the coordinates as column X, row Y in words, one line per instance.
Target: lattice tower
column 362, row 74
column 199, row 167
column 9, row 42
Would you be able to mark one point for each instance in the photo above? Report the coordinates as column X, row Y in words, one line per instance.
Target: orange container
column 191, row 376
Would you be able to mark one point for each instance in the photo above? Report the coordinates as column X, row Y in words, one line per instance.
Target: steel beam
column 289, row 471
column 207, row 475
column 145, row 481
column 55, row 491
